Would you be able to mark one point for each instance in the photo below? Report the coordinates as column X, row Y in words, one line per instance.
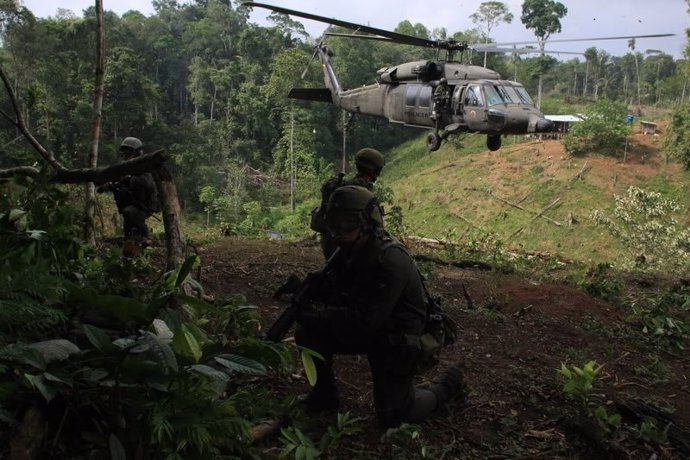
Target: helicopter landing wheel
column 433, row 141
column 493, row 142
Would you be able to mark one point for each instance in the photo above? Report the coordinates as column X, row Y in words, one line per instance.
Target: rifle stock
column 299, row 300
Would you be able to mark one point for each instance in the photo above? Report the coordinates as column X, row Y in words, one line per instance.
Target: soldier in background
column 135, row 196
column 369, row 164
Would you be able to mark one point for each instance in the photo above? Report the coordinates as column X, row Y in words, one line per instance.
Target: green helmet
column 370, row 159
column 131, row 144
column 351, row 206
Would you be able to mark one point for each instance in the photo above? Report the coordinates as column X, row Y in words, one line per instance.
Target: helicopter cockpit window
column 492, row 96
column 473, row 96
column 514, row 96
column 524, row 95
column 503, row 90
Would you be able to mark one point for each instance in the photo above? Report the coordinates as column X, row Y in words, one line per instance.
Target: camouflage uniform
column 135, row 196
column 369, row 163
column 135, row 199
column 372, row 302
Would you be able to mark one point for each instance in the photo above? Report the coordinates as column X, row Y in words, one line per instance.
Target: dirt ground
column 515, row 333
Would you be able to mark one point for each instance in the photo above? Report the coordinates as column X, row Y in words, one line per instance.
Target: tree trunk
column 90, row 198
column 175, row 243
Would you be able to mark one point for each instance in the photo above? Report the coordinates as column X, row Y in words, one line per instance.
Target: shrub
column 652, row 237
column 603, row 128
column 677, row 142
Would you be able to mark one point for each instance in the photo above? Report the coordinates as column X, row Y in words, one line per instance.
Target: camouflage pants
column 395, row 398
column 135, row 222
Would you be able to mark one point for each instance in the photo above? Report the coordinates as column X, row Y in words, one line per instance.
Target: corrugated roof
column 563, row 118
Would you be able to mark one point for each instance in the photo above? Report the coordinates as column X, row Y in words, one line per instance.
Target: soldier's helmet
column 131, row 146
column 370, row 160
column 352, row 206
column 443, row 81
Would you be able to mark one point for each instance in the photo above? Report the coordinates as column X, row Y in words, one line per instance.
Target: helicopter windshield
column 506, row 94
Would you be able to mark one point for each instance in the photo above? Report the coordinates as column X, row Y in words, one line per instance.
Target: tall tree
column 490, row 15
column 543, row 17
column 96, row 115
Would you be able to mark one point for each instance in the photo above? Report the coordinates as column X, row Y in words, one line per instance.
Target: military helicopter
column 444, row 95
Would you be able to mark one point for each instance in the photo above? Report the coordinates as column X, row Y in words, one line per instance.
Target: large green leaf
column 124, row 309
column 308, row 356
column 186, row 269
column 46, row 388
column 199, row 306
column 309, row 367
column 24, row 355
column 98, row 338
column 211, row 372
column 240, row 364
column 162, row 351
column 54, row 350
column 185, row 344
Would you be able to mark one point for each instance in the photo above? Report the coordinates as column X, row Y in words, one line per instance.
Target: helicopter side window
column 424, row 97
column 492, row 96
column 473, row 96
column 411, row 95
column 524, row 95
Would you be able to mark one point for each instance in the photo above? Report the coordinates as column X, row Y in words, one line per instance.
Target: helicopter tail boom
column 311, row 94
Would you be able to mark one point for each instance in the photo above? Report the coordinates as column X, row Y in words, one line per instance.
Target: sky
column 585, row 19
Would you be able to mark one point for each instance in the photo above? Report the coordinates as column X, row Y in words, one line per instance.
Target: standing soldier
column 441, row 97
column 371, row 302
column 135, row 196
column 369, row 164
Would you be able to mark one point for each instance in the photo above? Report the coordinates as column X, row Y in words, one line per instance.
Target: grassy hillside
column 466, row 194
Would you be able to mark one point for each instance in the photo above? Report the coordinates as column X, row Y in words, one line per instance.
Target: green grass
column 458, row 194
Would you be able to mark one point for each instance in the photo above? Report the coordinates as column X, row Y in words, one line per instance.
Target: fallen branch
column 101, row 175
column 515, row 205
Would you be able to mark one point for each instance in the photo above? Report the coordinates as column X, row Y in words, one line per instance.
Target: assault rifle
column 299, row 300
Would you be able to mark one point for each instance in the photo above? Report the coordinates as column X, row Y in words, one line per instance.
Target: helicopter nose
column 544, row 126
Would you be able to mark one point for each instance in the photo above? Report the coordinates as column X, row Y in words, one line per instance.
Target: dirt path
column 515, row 336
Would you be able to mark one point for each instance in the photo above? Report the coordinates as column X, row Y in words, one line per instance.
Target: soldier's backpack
column 318, row 215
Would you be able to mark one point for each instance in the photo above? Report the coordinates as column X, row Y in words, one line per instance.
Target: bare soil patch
column 514, row 337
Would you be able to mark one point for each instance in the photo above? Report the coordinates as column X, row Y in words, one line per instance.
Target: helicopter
column 445, row 95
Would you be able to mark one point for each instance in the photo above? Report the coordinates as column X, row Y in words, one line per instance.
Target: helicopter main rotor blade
column 564, row 40
column 497, row 49
column 365, row 37
column 400, row 38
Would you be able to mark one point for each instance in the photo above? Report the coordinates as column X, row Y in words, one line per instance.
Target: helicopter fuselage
column 477, row 101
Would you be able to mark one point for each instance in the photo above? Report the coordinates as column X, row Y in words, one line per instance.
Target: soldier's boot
column 322, row 398
column 450, row 387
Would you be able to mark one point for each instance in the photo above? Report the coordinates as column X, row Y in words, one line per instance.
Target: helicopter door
column 474, row 109
column 417, row 104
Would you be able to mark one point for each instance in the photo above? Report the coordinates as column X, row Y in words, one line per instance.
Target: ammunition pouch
column 409, row 354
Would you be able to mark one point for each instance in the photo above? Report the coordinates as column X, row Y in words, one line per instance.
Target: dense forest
column 202, row 82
